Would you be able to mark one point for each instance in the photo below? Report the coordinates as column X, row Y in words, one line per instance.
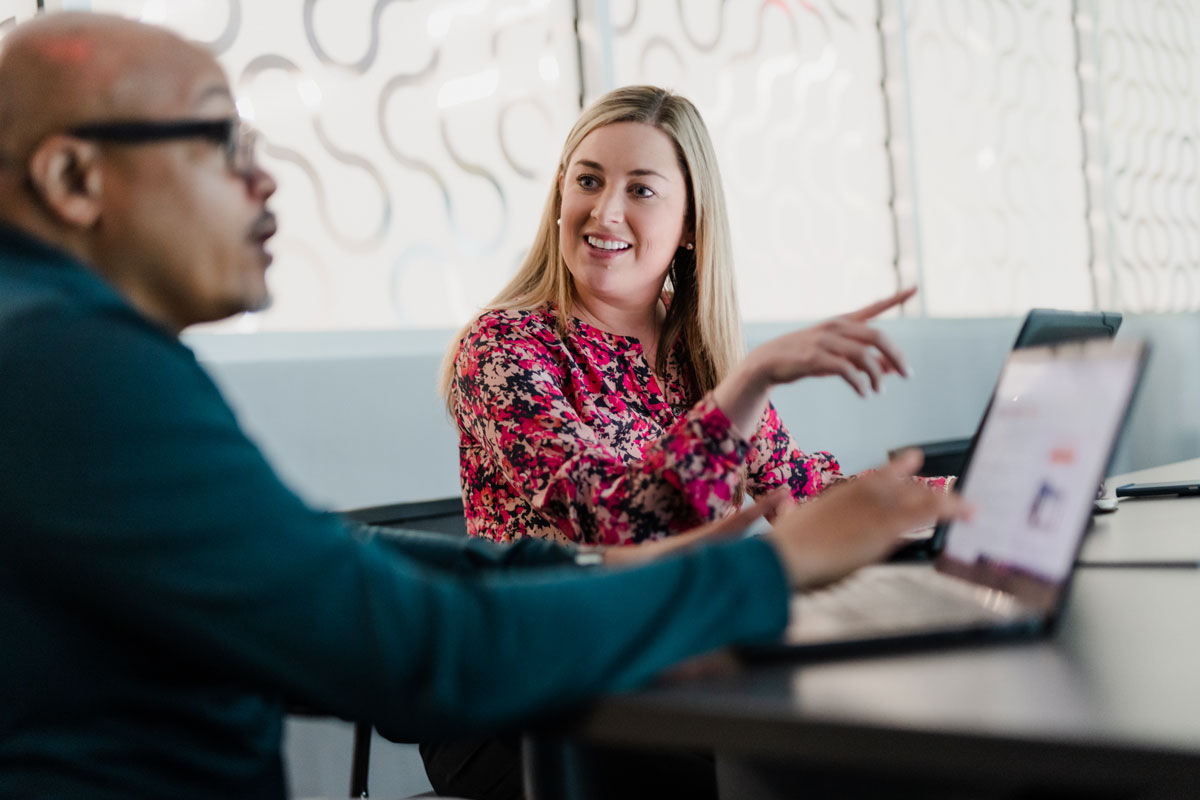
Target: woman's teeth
column 607, row 244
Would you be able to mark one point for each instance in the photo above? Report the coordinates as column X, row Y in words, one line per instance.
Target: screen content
column 1039, row 460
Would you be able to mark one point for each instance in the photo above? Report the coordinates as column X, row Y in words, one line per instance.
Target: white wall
column 1000, row 155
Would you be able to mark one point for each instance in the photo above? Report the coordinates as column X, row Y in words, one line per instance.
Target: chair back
column 440, row 516
column 444, row 515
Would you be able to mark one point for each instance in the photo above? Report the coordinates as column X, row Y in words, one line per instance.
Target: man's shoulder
column 40, row 316
column 67, row 341
column 43, row 287
column 35, row 289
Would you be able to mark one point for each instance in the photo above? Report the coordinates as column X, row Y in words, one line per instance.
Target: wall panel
column 1001, row 154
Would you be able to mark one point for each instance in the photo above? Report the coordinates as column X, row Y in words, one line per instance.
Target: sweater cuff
column 771, row 597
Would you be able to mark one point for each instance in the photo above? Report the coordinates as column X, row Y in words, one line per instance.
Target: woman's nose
column 609, row 207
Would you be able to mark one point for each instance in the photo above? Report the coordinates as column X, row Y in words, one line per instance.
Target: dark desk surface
column 1110, row 703
column 1163, row 529
column 1112, row 699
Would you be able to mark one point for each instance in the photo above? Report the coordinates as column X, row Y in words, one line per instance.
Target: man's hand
column 858, row 522
column 776, row 502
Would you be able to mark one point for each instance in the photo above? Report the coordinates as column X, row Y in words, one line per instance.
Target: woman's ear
column 65, row 175
column 687, row 239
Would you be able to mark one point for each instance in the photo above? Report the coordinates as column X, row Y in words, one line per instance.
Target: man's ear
column 65, row 174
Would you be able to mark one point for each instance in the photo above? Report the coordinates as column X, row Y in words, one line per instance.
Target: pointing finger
column 879, row 306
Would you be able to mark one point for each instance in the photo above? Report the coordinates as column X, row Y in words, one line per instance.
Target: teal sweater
column 163, row 595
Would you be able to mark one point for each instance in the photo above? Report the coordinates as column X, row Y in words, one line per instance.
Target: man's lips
column 264, row 228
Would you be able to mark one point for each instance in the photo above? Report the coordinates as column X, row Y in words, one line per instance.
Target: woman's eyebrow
column 583, row 162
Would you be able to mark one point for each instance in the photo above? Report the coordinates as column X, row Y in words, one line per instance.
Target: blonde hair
column 703, row 310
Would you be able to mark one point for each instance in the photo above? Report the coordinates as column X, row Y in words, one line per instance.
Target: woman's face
column 624, row 203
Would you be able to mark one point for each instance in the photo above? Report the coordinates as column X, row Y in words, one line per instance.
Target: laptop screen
column 1043, row 326
column 1038, row 460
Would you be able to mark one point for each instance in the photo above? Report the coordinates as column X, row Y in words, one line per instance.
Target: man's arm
column 468, row 554
column 142, row 503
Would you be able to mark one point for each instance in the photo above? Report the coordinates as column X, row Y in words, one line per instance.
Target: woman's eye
column 642, row 191
column 587, row 182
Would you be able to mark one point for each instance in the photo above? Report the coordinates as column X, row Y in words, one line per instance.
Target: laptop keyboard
column 887, row 599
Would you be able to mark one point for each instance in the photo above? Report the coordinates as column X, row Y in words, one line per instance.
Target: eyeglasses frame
column 235, row 136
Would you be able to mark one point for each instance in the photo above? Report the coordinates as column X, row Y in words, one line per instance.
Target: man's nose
column 262, row 183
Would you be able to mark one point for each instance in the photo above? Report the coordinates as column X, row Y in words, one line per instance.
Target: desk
column 1108, row 707
column 1109, row 704
column 1161, row 529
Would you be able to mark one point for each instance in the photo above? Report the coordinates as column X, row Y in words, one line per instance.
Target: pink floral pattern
column 574, row 439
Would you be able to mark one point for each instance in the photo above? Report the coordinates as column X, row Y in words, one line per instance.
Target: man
column 162, row 594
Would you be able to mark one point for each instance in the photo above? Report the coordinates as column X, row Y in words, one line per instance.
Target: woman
column 601, row 398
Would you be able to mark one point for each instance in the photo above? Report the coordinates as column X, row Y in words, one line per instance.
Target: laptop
column 1041, row 449
column 1045, row 326
column 1041, row 327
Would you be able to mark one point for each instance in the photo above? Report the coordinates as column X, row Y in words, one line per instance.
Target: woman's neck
column 641, row 321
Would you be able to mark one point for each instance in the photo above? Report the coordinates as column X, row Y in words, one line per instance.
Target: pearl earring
column 558, row 221
column 689, row 246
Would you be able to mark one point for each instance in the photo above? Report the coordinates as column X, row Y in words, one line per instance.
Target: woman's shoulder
column 504, row 327
column 516, row 317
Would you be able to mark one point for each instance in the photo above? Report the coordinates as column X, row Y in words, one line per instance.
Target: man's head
column 100, row 157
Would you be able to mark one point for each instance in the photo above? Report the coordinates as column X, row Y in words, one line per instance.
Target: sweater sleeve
column 145, row 507
column 465, row 554
column 510, row 396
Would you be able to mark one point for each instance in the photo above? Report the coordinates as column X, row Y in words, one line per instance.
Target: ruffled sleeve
column 775, row 460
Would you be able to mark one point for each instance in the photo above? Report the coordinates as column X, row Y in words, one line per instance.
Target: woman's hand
column 857, row 522
column 845, row 345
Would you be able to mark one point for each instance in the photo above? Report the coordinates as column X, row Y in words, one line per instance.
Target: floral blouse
column 575, row 439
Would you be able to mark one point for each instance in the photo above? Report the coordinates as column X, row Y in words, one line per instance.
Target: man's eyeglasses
column 233, row 135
